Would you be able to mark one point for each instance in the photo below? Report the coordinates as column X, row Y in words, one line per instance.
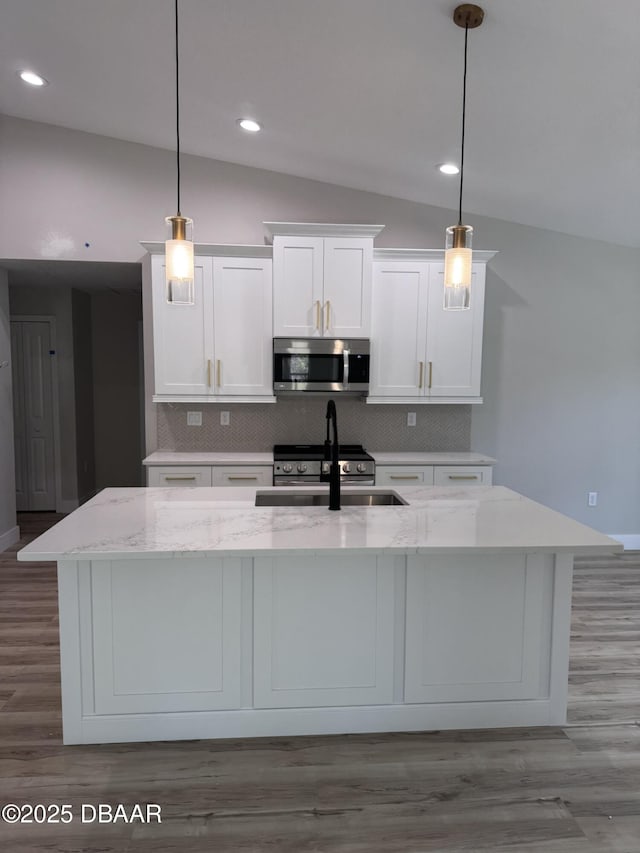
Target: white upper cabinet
column 418, row 350
column 182, row 334
column 221, row 346
column 322, row 280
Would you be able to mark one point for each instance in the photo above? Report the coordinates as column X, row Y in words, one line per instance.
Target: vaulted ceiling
column 363, row 93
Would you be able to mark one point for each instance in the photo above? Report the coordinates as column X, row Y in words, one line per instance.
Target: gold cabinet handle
column 318, row 315
column 328, row 309
column 421, row 363
column 404, row 477
column 218, row 370
column 209, row 372
column 241, row 478
column 430, row 373
column 463, row 477
column 167, row 477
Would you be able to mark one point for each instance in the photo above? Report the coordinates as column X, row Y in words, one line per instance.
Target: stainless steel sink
column 322, row 499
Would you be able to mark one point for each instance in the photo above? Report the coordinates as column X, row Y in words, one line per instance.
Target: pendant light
column 457, row 256
column 179, row 249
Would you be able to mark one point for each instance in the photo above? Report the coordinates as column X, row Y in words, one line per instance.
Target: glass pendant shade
column 457, row 267
column 179, row 262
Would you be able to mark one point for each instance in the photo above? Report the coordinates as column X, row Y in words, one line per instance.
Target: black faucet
column 334, row 471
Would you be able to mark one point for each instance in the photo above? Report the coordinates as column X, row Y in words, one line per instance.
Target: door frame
column 55, row 402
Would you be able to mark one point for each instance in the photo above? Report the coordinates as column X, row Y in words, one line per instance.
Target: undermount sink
column 322, row 499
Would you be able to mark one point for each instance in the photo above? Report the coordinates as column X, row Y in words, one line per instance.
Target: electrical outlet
column 194, row 418
column 224, row 418
column 592, row 499
column 411, row 418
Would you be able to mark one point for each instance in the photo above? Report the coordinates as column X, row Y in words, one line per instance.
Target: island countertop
column 137, row 523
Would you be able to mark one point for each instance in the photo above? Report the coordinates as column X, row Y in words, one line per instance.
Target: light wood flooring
column 545, row 790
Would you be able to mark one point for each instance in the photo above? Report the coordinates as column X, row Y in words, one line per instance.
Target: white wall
column 561, row 375
column 8, row 530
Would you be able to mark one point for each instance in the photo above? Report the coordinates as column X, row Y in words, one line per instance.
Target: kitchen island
column 193, row 613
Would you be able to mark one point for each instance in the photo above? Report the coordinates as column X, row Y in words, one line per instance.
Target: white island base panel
column 226, row 647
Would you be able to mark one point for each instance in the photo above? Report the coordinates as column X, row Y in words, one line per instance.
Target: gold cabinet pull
column 463, row 477
column 421, row 363
column 209, row 372
column 218, row 369
column 241, row 478
column 167, row 477
column 318, row 315
column 404, row 477
column 430, row 373
column 328, row 309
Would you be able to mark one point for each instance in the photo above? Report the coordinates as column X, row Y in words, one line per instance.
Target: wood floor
column 545, row 790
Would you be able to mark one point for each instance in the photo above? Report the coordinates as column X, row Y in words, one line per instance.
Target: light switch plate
column 194, row 418
column 224, row 418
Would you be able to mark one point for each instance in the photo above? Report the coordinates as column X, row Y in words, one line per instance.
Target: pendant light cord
column 177, row 109
column 464, row 111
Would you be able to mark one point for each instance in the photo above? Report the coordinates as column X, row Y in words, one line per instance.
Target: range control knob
column 361, row 468
column 326, row 467
column 301, row 467
column 287, row 467
column 346, row 467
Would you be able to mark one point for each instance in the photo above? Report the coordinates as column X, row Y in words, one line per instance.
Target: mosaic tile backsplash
column 257, row 427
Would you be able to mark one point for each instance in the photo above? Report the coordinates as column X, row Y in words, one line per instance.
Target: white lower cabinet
column 156, row 663
column 462, row 475
column 173, row 475
column 243, row 475
column 323, row 631
column 477, row 628
column 434, row 475
column 404, row 475
column 210, row 475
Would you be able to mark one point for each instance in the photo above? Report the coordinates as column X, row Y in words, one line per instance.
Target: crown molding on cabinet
column 217, row 250
column 479, row 256
column 319, row 229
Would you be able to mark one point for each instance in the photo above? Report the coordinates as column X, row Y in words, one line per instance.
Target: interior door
column 33, row 416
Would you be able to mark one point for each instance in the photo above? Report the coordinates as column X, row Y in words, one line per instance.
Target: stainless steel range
column 300, row 464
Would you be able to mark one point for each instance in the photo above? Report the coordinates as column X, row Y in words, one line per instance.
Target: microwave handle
column 345, row 376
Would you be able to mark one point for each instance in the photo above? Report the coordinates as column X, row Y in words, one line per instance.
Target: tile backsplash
column 257, row 427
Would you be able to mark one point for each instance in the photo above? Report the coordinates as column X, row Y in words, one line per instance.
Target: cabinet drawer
column 172, row 475
column 404, row 475
column 243, row 475
column 462, row 475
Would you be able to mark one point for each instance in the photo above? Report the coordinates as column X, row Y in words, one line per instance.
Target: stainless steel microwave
column 321, row 365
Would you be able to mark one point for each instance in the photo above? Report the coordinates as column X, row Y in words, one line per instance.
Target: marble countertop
column 174, row 457
column 138, row 523
column 382, row 457
column 415, row 457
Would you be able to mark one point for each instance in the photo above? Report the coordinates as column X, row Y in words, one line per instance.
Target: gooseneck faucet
column 334, row 471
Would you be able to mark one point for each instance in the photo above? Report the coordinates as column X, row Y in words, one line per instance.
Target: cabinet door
column 399, row 328
column 454, row 339
column 404, row 475
column 347, row 287
column 462, row 475
column 297, row 286
column 323, row 631
column 185, row 654
column 243, row 475
column 176, row 476
column 182, row 334
column 242, row 317
column 475, row 628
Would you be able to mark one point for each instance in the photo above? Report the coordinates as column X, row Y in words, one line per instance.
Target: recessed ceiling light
column 249, row 124
column 448, row 168
column 32, row 78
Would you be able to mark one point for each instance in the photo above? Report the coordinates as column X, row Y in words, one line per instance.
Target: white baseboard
column 67, row 506
column 631, row 541
column 9, row 538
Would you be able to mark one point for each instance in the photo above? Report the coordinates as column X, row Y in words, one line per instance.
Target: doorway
column 35, row 399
